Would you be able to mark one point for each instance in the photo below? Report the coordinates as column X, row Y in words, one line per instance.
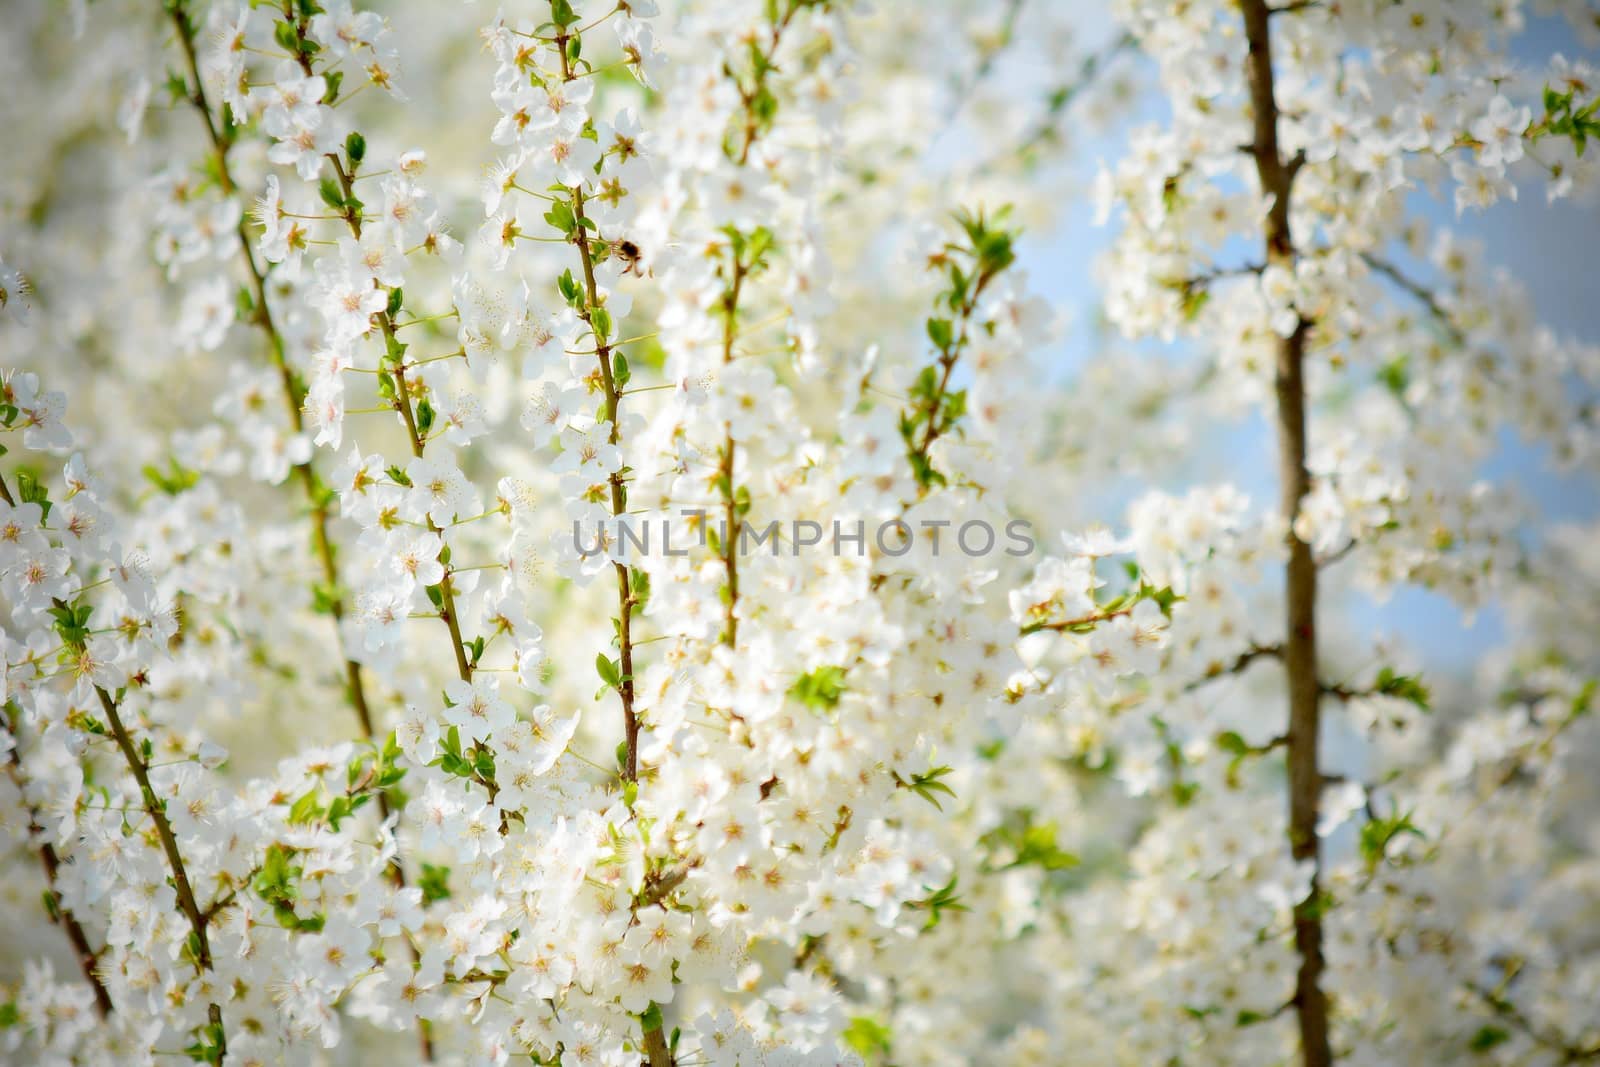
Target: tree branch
column 169, row 846
column 1237, row 666
column 60, row 914
column 1276, row 177
column 293, row 394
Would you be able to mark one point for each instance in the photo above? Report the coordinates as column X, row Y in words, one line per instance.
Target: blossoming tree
column 558, row 535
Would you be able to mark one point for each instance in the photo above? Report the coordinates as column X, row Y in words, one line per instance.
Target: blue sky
column 1548, row 247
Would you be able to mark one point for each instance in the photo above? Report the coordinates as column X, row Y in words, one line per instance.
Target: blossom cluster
column 346, row 716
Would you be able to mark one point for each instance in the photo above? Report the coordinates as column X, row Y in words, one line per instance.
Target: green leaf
column 939, row 901
column 821, row 688
column 570, row 292
column 1230, row 741
column 274, row 882
column 1487, row 1038
column 434, row 883
column 338, row 808
column 922, row 468
column 868, row 1038
column 561, row 14
column 32, row 491
column 1395, row 375
column 927, row 784
column 1378, row 832
column 1038, row 848
column 305, row 810
column 286, row 35
column 174, row 480
column 331, row 194
column 953, row 405
column 600, row 319
column 560, row 217
column 608, row 670
column 1403, row 687
column 355, row 148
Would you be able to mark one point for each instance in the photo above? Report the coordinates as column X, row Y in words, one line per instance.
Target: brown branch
column 1338, row 554
column 1062, row 96
column 60, row 914
column 750, row 131
column 1237, row 666
column 1419, row 292
column 730, row 532
column 619, row 496
column 1082, row 621
column 402, row 403
column 655, row 1048
column 1276, row 176
column 447, row 610
column 156, row 809
column 293, row 394
column 948, row 358
column 1508, row 1011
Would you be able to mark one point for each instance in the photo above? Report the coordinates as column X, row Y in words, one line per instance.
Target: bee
column 629, row 253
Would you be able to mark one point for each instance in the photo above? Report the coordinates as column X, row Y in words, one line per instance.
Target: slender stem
column 948, row 358
column 750, row 130
column 1099, row 615
column 730, row 530
column 1061, row 97
column 169, row 845
column 1276, row 176
column 294, row 398
column 1418, row 292
column 293, row 394
column 352, row 219
column 60, row 914
column 447, row 611
column 619, row 506
column 1242, row 661
column 656, row 1051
